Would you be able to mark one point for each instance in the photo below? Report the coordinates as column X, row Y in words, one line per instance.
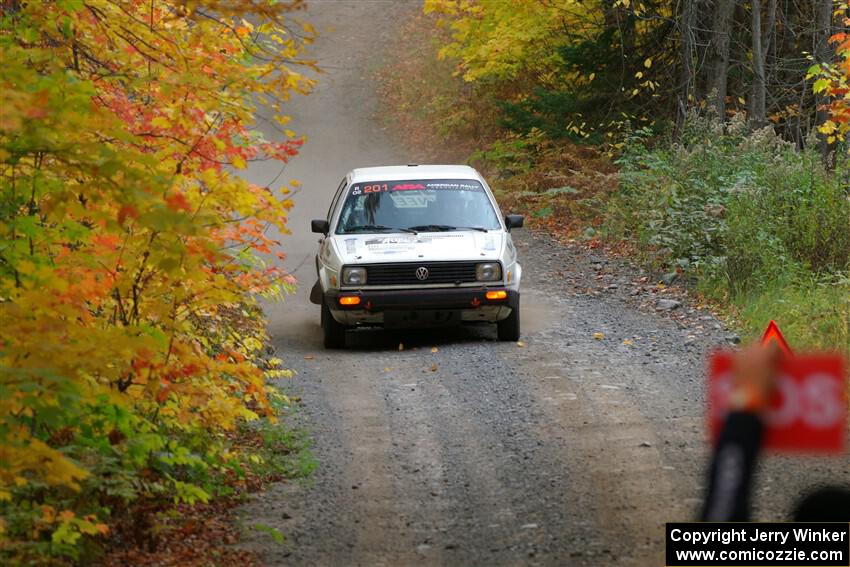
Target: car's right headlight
column 353, row 276
column 488, row 272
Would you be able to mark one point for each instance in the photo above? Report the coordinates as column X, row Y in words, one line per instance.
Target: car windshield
column 428, row 205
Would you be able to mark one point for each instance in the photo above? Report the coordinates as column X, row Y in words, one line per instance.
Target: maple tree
column 833, row 80
column 131, row 251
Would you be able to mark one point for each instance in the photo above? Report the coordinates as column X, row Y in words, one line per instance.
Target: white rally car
column 416, row 246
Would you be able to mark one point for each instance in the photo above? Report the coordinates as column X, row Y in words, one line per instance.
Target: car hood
column 429, row 247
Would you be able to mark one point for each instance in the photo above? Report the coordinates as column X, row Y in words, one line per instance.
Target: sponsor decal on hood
column 432, row 246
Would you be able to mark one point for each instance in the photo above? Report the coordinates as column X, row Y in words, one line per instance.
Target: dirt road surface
column 569, row 450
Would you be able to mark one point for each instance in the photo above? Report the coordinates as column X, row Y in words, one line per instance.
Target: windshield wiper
column 380, row 227
column 445, row 227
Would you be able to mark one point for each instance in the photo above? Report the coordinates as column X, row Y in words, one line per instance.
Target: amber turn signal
column 349, row 300
column 499, row 294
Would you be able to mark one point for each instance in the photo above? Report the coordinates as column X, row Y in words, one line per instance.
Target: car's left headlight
column 353, row 276
column 488, row 272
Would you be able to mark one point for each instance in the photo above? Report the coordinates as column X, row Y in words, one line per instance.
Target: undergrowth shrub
column 747, row 215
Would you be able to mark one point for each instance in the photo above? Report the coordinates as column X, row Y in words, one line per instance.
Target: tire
column 334, row 332
column 508, row 329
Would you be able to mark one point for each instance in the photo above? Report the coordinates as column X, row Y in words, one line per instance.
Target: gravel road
column 572, row 449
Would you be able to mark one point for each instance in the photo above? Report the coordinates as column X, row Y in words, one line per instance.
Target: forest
column 708, row 140
column 551, row 63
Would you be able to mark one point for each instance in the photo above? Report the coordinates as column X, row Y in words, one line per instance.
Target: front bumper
column 470, row 303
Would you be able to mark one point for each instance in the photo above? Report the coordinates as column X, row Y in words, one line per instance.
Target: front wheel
column 508, row 329
column 334, row 332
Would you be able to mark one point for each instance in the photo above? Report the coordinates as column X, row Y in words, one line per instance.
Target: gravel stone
column 668, row 304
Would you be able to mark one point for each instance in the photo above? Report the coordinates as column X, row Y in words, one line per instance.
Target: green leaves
column 271, row 531
column 820, row 85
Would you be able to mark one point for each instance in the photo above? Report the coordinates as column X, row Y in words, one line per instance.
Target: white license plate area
column 427, row 318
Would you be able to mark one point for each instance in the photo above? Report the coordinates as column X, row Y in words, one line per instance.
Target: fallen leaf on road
column 434, row 367
column 520, row 344
column 309, row 357
column 627, row 342
column 387, row 369
column 598, row 336
column 434, row 349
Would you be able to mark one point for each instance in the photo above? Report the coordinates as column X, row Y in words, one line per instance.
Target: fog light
column 499, row 294
column 349, row 300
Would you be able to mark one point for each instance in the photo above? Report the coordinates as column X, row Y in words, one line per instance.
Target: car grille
column 405, row 273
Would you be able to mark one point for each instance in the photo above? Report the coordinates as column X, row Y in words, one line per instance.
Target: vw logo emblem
column 421, row 273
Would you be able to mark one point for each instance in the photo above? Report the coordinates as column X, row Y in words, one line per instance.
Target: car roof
column 413, row 171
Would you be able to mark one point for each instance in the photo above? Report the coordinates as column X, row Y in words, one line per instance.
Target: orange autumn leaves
column 131, row 251
column 833, row 80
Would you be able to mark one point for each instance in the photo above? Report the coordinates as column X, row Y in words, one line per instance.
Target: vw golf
column 416, row 246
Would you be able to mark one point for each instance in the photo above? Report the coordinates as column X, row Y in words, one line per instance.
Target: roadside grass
column 284, row 450
column 756, row 224
column 812, row 315
column 744, row 219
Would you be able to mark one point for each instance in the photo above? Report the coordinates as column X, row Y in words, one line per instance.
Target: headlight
column 353, row 276
column 488, row 272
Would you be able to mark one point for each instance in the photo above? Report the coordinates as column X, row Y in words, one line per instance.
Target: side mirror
column 320, row 225
column 513, row 221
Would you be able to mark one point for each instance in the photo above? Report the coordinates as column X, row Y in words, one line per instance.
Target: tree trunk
column 769, row 31
column 770, row 28
column 757, row 98
column 721, row 32
column 823, row 53
column 687, row 80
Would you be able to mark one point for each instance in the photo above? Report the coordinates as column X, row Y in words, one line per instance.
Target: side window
column 339, row 191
